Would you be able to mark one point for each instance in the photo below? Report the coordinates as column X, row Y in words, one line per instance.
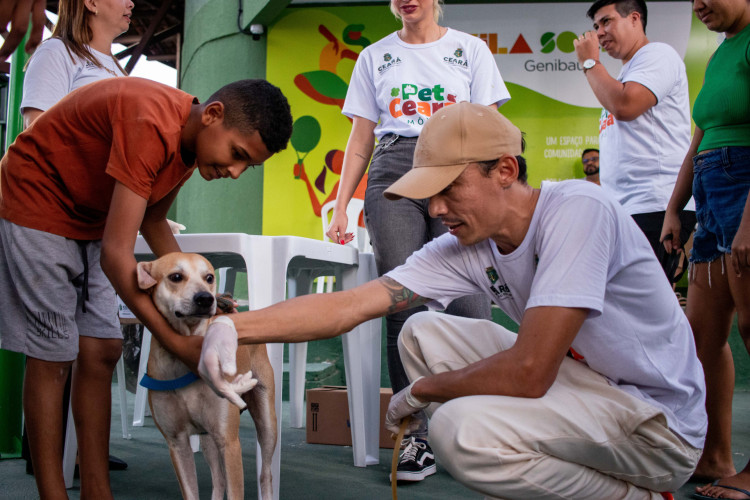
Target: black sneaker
column 416, row 462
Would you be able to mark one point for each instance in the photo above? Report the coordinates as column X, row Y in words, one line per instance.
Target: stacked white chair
column 325, row 284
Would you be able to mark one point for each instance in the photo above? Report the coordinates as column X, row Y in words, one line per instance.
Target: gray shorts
column 41, row 294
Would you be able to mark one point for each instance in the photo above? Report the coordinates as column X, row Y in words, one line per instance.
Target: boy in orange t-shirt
column 75, row 189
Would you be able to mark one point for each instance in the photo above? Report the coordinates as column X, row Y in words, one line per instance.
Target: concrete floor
column 308, row 471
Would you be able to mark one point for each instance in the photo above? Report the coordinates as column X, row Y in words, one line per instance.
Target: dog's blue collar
column 168, row 385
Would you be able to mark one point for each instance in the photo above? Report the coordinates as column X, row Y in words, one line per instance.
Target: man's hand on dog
column 402, row 405
column 219, row 359
column 225, row 304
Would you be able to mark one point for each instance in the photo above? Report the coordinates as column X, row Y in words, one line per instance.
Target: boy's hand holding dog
column 403, row 404
column 219, row 358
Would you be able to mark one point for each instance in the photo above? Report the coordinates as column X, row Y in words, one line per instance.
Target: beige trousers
column 584, row 439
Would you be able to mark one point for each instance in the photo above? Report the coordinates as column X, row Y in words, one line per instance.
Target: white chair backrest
column 361, row 239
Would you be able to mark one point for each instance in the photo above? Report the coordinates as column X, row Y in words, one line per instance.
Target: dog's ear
column 145, row 280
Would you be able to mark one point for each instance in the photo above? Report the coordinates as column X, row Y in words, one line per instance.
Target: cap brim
column 424, row 182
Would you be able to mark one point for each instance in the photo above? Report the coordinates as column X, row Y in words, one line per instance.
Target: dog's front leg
column 184, row 465
column 215, row 455
column 231, row 460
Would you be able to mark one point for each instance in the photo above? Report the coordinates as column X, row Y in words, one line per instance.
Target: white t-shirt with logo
column 582, row 250
column 52, row 74
column 640, row 159
column 400, row 85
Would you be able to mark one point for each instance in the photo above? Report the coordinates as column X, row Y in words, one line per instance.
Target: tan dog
column 183, row 287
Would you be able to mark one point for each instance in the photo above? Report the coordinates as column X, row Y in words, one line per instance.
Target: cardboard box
column 328, row 416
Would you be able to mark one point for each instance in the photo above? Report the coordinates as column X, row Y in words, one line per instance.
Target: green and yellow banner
column 312, row 52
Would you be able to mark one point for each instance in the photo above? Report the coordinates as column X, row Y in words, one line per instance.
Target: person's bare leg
column 709, row 310
column 43, row 386
column 92, row 411
column 739, row 287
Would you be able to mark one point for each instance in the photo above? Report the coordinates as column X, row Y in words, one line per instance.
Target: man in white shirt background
column 644, row 128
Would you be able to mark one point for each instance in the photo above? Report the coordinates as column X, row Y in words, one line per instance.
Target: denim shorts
column 721, row 180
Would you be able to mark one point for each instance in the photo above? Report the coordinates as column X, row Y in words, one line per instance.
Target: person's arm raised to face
column 626, row 101
column 126, row 215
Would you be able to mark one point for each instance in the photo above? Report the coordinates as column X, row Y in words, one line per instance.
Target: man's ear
column 213, row 112
column 507, row 170
column 635, row 16
column 145, row 280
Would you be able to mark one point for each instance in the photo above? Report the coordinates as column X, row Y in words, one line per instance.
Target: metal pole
column 12, row 363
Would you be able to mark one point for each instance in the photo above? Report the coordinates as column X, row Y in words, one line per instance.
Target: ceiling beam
column 162, row 35
column 148, row 35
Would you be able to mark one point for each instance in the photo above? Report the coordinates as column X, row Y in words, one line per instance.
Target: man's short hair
column 257, row 105
column 623, row 7
column 589, row 150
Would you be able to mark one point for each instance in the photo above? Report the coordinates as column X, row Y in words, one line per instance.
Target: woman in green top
column 716, row 171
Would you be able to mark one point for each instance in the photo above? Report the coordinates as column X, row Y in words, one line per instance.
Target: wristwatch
column 588, row 64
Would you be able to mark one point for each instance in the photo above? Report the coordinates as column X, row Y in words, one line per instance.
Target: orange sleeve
column 138, row 152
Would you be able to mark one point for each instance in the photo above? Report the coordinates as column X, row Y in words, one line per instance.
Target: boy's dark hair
column 257, row 105
column 623, row 7
column 589, row 150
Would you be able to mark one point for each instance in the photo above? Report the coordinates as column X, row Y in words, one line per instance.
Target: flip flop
column 715, row 483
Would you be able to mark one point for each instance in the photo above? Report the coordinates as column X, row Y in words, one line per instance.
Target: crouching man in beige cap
column 600, row 395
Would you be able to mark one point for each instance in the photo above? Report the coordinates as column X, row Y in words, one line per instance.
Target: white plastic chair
column 324, row 284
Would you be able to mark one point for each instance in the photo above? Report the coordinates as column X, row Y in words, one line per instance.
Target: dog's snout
column 204, row 300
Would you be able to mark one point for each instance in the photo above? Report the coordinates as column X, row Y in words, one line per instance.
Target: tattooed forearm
column 401, row 297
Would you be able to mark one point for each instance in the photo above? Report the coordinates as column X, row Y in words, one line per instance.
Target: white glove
column 219, row 358
column 175, row 227
column 402, row 405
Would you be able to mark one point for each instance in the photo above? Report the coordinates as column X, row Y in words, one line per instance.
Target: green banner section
column 311, row 54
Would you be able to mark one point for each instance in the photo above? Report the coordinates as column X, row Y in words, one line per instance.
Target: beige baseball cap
column 455, row 136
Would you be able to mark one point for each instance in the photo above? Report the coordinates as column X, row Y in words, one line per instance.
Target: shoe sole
column 415, row 476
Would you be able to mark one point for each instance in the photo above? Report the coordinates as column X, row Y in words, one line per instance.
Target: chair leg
column 70, row 451
column 141, row 392
column 297, row 369
column 195, row 443
column 122, row 389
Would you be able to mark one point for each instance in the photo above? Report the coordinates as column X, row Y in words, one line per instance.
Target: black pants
column 651, row 225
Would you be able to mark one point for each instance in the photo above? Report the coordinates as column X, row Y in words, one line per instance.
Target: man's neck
column 636, row 47
column 521, row 205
